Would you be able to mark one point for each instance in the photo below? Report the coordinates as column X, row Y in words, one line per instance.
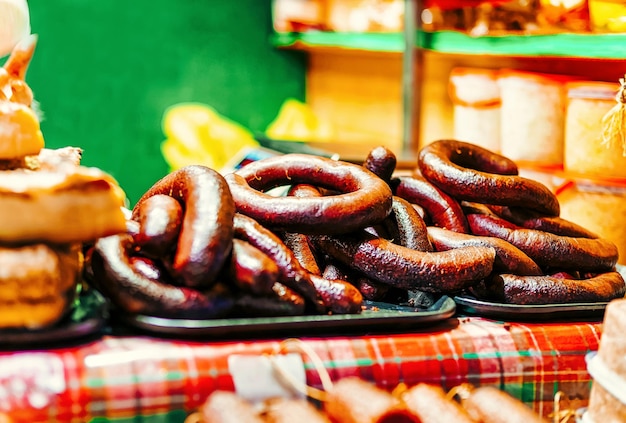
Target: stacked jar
column 475, row 96
column 594, row 190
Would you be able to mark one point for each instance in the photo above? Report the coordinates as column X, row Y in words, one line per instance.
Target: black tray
column 472, row 306
column 374, row 316
column 86, row 317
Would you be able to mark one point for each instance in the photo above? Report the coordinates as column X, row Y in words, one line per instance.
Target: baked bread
column 37, row 283
column 72, row 204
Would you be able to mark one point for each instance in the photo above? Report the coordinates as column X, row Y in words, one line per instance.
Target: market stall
column 275, row 266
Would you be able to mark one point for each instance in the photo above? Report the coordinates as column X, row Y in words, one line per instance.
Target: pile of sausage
column 203, row 245
column 353, row 400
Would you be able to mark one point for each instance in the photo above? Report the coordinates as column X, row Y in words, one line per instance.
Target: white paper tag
column 256, row 379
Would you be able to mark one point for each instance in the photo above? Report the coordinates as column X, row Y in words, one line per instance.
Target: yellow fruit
column 197, row 134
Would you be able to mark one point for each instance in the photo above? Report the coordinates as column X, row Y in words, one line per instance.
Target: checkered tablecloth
column 130, row 378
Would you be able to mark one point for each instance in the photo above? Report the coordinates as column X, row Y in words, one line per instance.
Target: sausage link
column 514, row 289
column 546, row 249
column 282, row 301
column 469, row 172
column 401, row 267
column 292, row 274
column 160, row 220
column 133, row 292
column 532, row 220
column 339, row 296
column 369, row 289
column 381, row 161
column 443, row 211
column 407, row 225
column 509, row 258
column 206, row 235
column 250, row 269
column 299, row 244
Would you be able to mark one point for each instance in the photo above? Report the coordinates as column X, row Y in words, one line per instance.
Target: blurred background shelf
column 593, row 46
column 370, row 42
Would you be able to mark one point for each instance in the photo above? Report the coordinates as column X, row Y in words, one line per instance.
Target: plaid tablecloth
column 131, row 378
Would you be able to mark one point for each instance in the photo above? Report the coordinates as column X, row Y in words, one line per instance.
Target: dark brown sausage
column 292, row 274
column 160, row 219
column 548, row 250
column 514, row 289
column 509, row 258
column 282, row 301
column 363, row 200
column 299, row 244
column 401, row 267
column 339, row 296
column 369, row 289
column 251, row 270
column 469, row 172
column 532, row 220
column 206, row 236
column 381, row 161
column 442, row 210
column 408, row 225
column 133, row 292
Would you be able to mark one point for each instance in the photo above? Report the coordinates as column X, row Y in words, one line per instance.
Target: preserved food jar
column 584, row 151
column 598, row 205
column 475, row 95
column 533, row 115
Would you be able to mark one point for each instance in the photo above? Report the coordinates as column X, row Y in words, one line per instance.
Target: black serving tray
column 375, row 316
column 472, row 306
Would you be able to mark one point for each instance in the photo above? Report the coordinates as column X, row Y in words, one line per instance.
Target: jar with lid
column 598, row 205
column 475, row 97
column 533, row 115
column 584, row 152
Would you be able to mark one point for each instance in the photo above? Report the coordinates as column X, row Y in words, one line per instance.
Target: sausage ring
column 363, row 199
column 206, row 236
column 472, row 173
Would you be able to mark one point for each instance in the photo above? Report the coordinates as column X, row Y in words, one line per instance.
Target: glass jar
column 597, row 205
column 584, row 152
column 533, row 115
column 475, row 97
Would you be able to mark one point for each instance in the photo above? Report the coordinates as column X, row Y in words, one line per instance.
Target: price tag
column 257, row 378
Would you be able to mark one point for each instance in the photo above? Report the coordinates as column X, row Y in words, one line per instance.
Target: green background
column 105, row 71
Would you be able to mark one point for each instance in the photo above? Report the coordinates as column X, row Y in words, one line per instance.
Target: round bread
column 37, row 283
column 69, row 204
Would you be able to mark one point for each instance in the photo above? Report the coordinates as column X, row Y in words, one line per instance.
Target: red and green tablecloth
column 141, row 378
